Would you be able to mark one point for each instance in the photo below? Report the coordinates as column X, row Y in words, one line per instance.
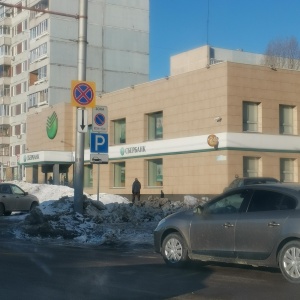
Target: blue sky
column 180, row 25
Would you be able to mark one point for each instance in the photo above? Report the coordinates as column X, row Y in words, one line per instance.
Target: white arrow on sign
column 82, row 119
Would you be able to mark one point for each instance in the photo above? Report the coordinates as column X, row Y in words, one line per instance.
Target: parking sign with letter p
column 99, row 142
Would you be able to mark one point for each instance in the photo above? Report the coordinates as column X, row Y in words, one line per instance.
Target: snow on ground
column 111, row 220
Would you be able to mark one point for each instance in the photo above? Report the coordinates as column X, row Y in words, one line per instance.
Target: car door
column 22, row 200
column 259, row 227
column 212, row 232
column 7, row 197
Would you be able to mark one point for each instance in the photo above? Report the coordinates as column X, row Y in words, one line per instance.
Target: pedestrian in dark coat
column 50, row 180
column 136, row 190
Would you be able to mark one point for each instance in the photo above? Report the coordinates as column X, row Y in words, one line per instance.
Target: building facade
column 39, row 58
column 189, row 133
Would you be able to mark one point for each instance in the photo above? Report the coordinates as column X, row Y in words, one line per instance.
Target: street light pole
column 79, row 150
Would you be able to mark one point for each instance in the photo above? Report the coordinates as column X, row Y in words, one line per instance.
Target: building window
column 286, row 119
column 4, row 149
column 32, row 100
column 251, row 117
column 24, row 66
column 40, row 97
column 41, row 5
column 17, row 149
column 120, row 131
column 287, row 170
column 39, row 30
column 155, row 172
column 24, row 87
column 251, row 166
column 24, row 107
column 5, row 71
column 155, row 126
column 38, row 53
column 18, row 69
column 4, row 30
column 88, row 176
column 4, row 110
column 19, row 48
column 16, row 110
column 18, row 89
column 4, row 90
column 42, row 72
column 23, row 128
column 4, row 130
column 4, row 50
column 119, row 174
column 16, row 129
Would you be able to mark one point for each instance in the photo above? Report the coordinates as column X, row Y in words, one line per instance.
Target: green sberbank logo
column 132, row 150
column 52, row 126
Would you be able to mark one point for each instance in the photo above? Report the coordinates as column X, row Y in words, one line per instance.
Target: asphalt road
column 55, row 271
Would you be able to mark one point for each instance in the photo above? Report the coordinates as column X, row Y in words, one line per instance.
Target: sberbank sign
column 31, row 157
column 52, row 126
column 132, row 150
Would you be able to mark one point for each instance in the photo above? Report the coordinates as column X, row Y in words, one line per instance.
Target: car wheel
column 2, row 209
column 33, row 206
column 174, row 250
column 289, row 261
column 7, row 213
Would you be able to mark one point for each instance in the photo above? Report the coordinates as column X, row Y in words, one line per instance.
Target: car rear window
column 269, row 200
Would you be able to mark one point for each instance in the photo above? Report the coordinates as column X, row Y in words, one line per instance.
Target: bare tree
column 283, row 53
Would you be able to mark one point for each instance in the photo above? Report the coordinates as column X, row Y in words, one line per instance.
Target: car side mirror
column 199, row 209
column 25, row 193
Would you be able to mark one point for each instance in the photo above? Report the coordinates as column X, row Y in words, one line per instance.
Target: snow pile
column 111, row 220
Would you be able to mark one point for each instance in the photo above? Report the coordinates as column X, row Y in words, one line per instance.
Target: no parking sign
column 100, row 119
column 83, row 93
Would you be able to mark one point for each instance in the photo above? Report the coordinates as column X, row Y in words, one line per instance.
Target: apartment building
column 38, row 60
column 190, row 133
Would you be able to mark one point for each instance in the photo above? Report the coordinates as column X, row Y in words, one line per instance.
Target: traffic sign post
column 100, row 119
column 81, row 72
column 99, row 152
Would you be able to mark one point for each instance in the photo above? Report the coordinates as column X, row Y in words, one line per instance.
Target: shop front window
column 155, row 172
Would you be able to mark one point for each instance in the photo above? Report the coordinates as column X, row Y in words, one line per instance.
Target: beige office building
column 188, row 134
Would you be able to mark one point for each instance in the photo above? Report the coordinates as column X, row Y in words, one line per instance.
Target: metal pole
column 79, row 150
column 98, row 179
